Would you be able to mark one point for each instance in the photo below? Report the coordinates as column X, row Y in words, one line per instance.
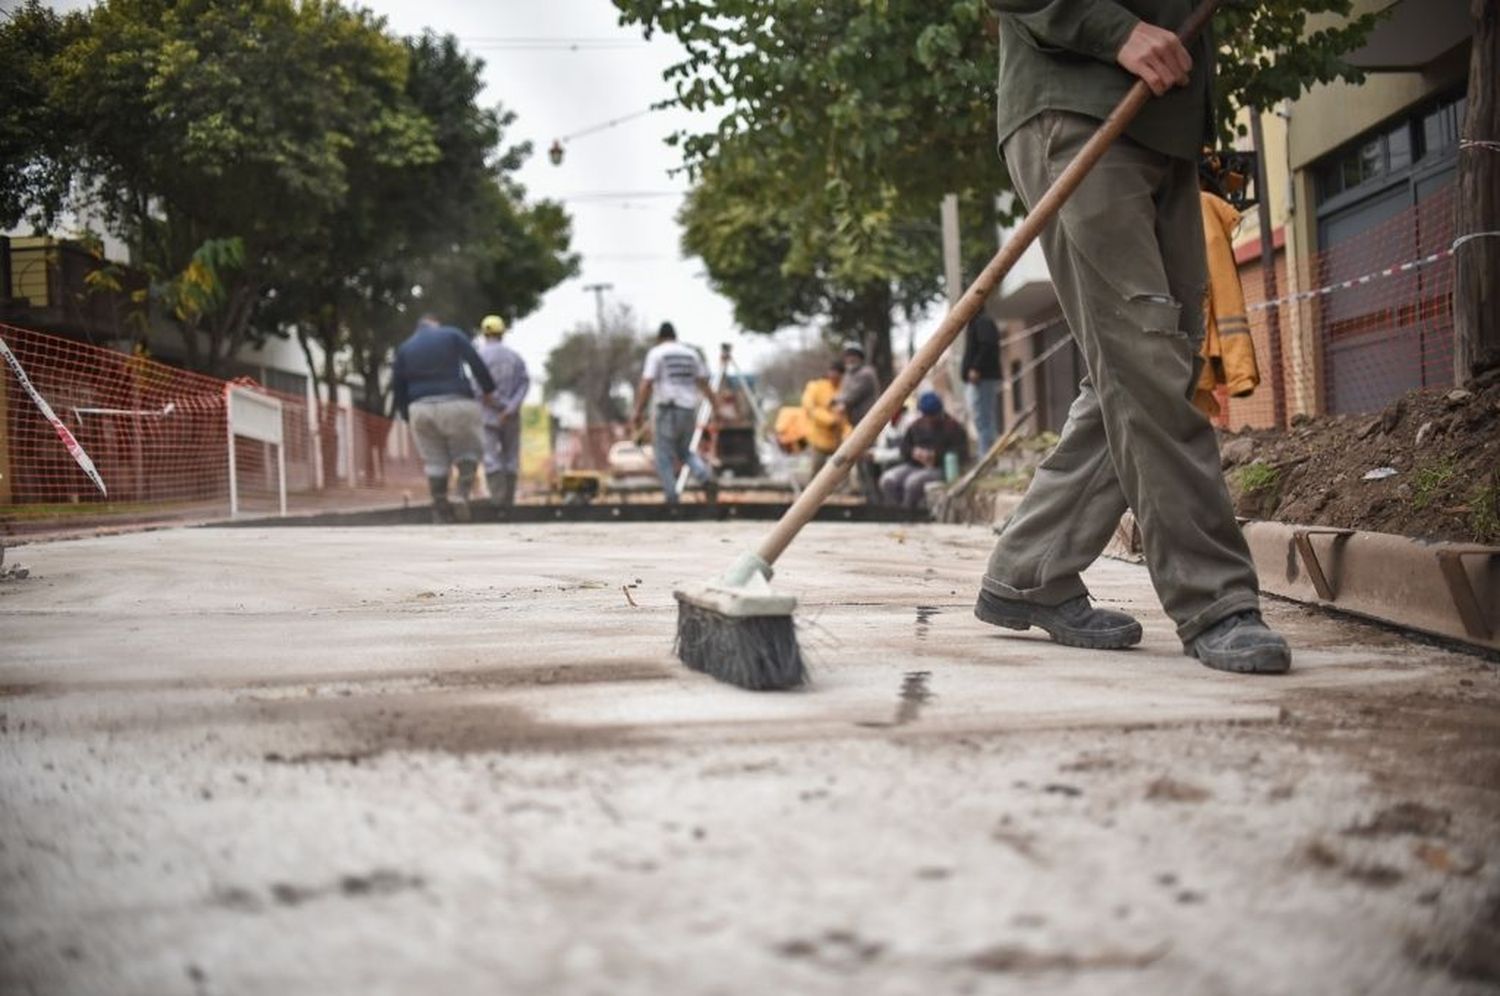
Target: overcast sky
column 630, row 242
column 616, row 182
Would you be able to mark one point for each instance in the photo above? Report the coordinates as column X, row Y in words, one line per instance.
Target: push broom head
column 740, row 631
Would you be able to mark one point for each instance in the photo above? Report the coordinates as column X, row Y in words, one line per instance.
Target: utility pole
column 598, row 291
column 1268, row 270
column 953, row 280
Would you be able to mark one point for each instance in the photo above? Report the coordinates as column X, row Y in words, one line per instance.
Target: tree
column 848, row 121
column 200, row 121
column 599, row 367
column 448, row 232
column 784, row 376
column 34, row 145
column 1476, row 285
column 746, row 243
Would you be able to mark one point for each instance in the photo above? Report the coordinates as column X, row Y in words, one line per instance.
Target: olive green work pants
column 1126, row 256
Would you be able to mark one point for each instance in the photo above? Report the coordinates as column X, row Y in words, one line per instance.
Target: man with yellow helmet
column 502, row 421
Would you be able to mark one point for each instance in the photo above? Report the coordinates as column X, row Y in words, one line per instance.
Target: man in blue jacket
column 437, row 401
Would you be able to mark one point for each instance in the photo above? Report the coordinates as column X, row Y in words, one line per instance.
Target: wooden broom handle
column 869, row 428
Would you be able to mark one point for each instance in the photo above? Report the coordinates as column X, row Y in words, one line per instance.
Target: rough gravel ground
column 1442, row 444
column 460, row 760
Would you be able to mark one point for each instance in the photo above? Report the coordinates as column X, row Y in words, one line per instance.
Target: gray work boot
column 1074, row 623
column 1241, row 643
column 442, row 512
column 466, row 471
column 502, row 487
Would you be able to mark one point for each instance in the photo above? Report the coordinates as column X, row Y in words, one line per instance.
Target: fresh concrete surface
column 461, row 760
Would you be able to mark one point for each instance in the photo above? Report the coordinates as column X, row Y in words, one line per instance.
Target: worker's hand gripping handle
column 865, row 433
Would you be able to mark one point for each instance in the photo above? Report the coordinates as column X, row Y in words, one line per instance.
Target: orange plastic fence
column 157, row 435
column 1369, row 319
column 1361, row 322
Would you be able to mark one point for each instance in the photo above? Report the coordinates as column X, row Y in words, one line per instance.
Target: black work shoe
column 1074, row 623
column 1241, row 643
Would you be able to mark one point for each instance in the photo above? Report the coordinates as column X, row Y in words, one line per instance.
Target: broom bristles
column 759, row 653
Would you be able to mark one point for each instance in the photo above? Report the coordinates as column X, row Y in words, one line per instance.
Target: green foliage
column 202, row 286
column 1267, row 53
column 1256, row 478
column 1484, row 511
column 598, row 367
column 345, row 166
column 842, row 124
column 34, row 168
column 455, row 225
column 783, row 377
column 1428, row 482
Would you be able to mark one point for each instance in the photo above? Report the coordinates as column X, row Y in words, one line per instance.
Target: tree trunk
column 188, row 331
column 1476, row 283
column 233, row 323
column 330, row 413
column 377, row 430
column 326, row 414
column 877, row 331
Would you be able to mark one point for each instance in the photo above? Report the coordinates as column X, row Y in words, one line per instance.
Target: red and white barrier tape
column 63, row 433
column 1389, row 271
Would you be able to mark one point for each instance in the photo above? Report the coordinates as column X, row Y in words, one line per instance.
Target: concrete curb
column 1450, row 590
column 1447, row 590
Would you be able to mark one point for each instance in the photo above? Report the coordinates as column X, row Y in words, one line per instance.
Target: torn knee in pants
column 1159, row 314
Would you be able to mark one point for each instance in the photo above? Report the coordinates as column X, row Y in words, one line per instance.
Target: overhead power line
column 601, row 126
column 617, row 195
column 498, row 43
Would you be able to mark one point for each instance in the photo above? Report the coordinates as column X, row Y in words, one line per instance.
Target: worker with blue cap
column 932, row 441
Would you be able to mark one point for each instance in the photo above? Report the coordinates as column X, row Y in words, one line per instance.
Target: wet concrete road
column 463, row 760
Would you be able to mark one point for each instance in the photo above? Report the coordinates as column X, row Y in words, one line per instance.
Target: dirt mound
column 1428, row 466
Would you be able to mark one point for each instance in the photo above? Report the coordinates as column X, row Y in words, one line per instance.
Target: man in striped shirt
column 675, row 377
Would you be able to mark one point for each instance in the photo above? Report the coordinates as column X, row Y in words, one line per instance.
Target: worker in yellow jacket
column 1228, row 349
column 826, row 427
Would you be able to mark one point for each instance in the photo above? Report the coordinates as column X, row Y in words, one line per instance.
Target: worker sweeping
column 502, row 420
column 1126, row 257
column 1124, row 244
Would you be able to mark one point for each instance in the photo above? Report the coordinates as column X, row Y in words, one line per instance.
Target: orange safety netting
column 1368, row 318
column 1360, row 322
column 158, row 436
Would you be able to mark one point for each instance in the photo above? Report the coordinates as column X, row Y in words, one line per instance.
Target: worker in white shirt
column 675, row 378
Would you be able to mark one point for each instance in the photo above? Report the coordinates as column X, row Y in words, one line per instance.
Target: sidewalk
column 463, row 760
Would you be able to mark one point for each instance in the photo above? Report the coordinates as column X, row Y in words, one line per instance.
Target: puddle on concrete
column 913, row 696
column 924, row 619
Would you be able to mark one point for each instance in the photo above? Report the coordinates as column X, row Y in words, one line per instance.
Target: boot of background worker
column 442, row 511
column 502, row 487
column 467, row 471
